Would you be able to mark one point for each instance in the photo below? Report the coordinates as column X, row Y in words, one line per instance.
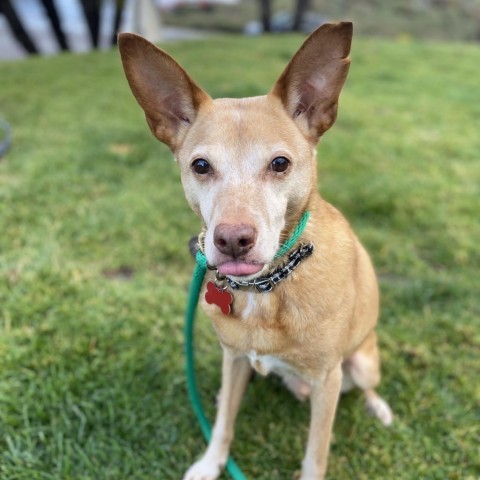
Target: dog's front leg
column 323, row 399
column 235, row 376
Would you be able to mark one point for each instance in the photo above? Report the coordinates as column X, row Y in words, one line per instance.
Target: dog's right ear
column 169, row 97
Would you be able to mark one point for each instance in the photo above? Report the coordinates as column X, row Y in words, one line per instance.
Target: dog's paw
column 378, row 407
column 204, row 469
column 300, row 475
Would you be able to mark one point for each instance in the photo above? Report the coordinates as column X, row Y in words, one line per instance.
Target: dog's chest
column 254, row 330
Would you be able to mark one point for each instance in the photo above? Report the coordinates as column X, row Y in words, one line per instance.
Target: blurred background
column 50, row 26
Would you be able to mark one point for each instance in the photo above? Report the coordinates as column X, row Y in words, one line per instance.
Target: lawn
column 94, row 269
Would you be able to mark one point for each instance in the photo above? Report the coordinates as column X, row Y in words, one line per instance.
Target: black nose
column 234, row 240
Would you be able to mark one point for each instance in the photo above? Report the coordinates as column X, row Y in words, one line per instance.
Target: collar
column 266, row 283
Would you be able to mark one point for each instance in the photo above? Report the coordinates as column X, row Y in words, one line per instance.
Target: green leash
column 195, row 287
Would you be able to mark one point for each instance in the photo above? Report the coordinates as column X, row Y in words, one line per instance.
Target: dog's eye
column 279, row 164
column 201, row 166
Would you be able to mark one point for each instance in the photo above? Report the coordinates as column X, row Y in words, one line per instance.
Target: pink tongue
column 238, row 269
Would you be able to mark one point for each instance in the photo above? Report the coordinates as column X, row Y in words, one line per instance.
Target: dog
column 248, row 168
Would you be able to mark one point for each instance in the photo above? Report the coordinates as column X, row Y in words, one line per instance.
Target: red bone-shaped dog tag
column 221, row 298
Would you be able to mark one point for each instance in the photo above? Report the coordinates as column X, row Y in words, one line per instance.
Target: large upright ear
column 310, row 85
column 169, row 97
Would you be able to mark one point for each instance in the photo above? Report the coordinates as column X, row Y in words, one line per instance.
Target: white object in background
column 146, row 20
column 172, row 4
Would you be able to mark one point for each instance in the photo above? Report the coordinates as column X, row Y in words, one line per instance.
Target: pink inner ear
column 307, row 93
column 177, row 108
column 316, row 100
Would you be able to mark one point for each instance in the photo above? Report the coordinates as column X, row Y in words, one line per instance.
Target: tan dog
column 248, row 167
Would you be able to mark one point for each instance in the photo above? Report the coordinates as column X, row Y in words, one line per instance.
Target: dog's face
column 247, row 165
column 243, row 168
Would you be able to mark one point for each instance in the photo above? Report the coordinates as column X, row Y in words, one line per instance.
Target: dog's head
column 247, row 165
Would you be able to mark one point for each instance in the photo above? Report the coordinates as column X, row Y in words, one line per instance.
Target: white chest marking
column 264, row 364
column 251, row 299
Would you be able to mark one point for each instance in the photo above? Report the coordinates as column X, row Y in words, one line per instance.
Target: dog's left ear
column 310, row 85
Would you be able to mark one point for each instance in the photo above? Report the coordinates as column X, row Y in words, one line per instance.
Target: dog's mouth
column 239, row 268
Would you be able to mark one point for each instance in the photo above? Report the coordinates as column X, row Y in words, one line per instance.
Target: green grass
column 94, row 269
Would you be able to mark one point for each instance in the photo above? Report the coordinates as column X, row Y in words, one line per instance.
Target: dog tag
column 222, row 298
